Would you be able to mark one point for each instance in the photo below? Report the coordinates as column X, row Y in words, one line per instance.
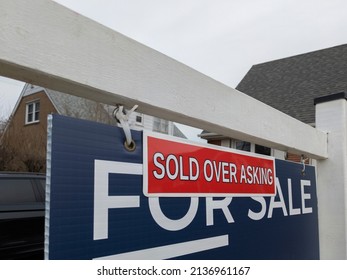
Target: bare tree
column 23, row 150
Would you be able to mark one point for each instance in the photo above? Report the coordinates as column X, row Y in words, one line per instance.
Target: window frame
column 140, row 123
column 161, row 125
column 253, row 147
column 36, row 110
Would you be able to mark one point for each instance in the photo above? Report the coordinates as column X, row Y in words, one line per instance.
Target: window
column 254, row 148
column 32, row 112
column 242, row 145
column 262, row 150
column 161, row 125
column 139, row 119
column 41, row 187
column 15, row 191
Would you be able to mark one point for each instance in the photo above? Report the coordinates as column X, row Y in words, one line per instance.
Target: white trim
column 34, row 102
column 29, row 91
column 48, row 186
column 332, row 181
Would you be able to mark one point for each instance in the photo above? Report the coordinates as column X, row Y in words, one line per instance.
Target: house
column 24, row 138
column 290, row 85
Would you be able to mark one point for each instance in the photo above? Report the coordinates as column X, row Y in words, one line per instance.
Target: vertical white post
column 331, row 117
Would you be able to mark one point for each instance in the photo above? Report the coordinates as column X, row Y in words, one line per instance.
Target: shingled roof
column 291, row 84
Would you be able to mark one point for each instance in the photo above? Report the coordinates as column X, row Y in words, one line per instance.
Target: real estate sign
column 174, row 167
column 172, row 199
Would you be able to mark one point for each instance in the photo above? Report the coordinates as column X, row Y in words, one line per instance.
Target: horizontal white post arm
column 49, row 45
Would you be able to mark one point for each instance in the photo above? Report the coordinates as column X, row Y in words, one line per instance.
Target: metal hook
column 303, row 159
column 123, row 118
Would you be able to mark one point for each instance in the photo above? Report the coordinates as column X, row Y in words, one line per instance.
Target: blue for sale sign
column 97, row 209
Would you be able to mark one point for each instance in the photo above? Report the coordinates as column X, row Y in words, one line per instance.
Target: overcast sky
column 220, row 38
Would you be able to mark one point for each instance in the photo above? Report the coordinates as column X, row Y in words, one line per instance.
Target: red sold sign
column 174, row 167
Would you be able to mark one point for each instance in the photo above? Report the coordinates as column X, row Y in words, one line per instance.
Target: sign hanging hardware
column 303, row 160
column 122, row 117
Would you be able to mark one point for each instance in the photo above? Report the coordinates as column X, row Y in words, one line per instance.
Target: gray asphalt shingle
column 291, row 84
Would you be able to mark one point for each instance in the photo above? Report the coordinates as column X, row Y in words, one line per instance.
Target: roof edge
column 330, row 97
column 300, row 54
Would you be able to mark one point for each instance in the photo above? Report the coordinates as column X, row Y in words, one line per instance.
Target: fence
column 61, row 50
